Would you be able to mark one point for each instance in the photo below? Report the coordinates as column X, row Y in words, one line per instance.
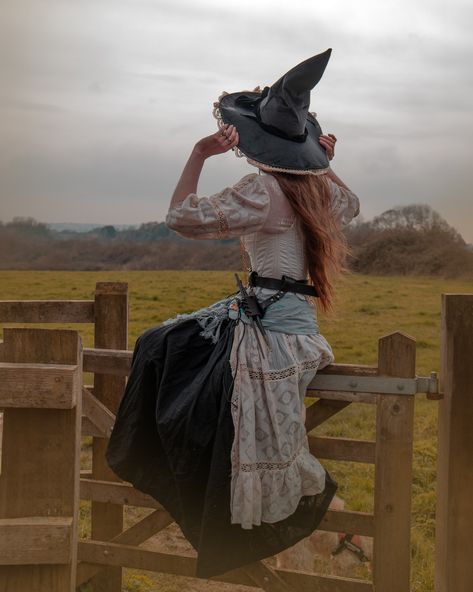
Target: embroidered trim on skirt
column 272, row 467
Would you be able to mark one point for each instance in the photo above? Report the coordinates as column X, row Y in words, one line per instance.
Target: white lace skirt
column 272, row 467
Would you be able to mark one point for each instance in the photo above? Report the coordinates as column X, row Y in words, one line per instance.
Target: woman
column 212, row 420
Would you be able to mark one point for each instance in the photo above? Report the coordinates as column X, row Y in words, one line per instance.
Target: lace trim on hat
column 269, row 168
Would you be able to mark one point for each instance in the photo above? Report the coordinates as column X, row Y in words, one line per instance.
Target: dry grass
column 367, row 308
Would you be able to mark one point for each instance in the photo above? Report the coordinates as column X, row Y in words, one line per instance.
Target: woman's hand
column 328, row 142
column 222, row 141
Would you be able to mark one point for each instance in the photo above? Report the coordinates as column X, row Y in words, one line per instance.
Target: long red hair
column 326, row 246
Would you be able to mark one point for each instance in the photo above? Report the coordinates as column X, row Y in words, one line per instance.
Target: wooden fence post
column 39, row 481
column 111, row 332
column 393, row 468
column 454, row 517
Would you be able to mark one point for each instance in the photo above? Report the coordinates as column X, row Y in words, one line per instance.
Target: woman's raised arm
column 222, row 141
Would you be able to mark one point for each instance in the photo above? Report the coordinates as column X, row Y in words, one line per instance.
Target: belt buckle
column 287, row 283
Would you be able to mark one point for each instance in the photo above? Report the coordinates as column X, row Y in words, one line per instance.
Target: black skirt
column 172, row 439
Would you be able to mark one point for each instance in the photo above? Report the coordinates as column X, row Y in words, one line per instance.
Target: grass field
column 367, row 308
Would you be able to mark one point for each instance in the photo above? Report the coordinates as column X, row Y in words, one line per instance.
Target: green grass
column 367, row 308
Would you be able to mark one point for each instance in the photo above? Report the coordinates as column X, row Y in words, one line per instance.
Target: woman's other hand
column 225, row 139
column 328, row 142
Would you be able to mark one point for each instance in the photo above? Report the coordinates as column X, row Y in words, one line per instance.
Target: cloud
column 101, row 101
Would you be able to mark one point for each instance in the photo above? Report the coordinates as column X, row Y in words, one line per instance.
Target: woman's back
column 277, row 248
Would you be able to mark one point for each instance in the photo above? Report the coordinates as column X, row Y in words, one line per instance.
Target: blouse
column 256, row 210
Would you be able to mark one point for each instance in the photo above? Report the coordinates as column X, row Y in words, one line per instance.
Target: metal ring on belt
column 286, row 284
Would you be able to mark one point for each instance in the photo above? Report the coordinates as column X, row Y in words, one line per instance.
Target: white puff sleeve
column 345, row 204
column 233, row 212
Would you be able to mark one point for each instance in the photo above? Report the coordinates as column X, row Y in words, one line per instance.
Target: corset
column 274, row 254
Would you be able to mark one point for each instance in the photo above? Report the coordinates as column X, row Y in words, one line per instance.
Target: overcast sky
column 101, row 101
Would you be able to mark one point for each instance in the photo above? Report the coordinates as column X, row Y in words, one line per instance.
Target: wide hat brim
column 271, row 151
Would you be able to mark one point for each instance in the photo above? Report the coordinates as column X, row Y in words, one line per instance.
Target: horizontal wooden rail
column 140, row 532
column 51, row 386
column 342, row 449
column 348, row 521
column 107, row 361
column 138, row 558
column 350, row 369
column 35, row 540
column 350, row 397
column 126, row 494
column 118, row 362
column 46, row 311
column 337, row 382
column 115, row 493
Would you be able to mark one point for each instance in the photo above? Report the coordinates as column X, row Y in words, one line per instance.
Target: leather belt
column 285, row 284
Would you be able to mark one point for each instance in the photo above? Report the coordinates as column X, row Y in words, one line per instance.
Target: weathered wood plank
column 35, row 540
column 46, row 311
column 111, row 332
column 348, row 521
column 45, row 386
column 40, row 458
column 266, row 578
column 342, row 449
column 352, row 397
column 349, row 369
column 99, row 415
column 393, row 469
column 89, row 429
column 135, row 535
column 125, row 494
column 116, row 362
column 116, row 493
column 138, row 558
column 322, row 410
column 454, row 518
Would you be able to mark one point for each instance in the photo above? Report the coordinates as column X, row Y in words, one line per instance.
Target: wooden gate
column 390, row 385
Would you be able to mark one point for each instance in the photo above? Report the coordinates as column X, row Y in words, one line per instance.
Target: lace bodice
column 256, row 210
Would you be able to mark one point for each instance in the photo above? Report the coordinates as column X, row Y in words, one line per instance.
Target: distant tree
column 107, row 232
column 148, row 231
column 419, row 217
column 412, row 239
column 27, row 226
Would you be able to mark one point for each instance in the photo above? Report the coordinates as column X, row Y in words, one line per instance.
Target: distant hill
column 82, row 226
column 409, row 240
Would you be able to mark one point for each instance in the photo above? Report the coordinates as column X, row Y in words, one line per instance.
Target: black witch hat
column 277, row 132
